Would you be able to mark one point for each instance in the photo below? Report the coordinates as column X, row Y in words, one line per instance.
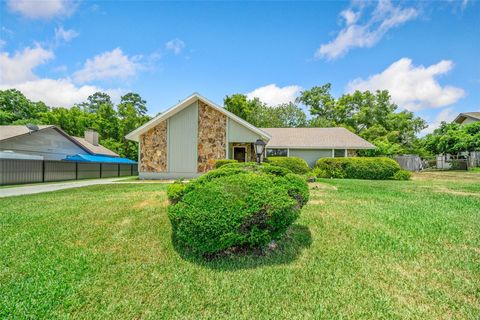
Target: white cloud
column 54, row 92
column 19, row 67
column 111, row 64
column 42, row 9
column 175, row 45
column 65, row 35
column 412, row 87
column 273, row 95
column 447, row 115
column 357, row 35
column 17, row 72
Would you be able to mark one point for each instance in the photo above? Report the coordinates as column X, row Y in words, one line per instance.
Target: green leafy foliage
column 175, row 191
column 452, row 138
column 221, row 162
column 259, row 114
column 377, row 168
column 372, row 115
column 236, row 206
column 98, row 113
column 402, row 175
column 294, row 164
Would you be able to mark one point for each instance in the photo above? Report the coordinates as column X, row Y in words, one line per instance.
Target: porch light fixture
column 259, row 147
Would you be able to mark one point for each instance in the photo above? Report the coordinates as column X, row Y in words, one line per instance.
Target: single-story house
column 467, row 118
column 187, row 139
column 312, row 144
column 49, row 142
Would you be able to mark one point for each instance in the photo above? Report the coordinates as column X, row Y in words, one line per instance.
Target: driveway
column 47, row 187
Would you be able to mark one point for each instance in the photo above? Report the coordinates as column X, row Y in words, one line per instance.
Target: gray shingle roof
column 95, row 149
column 315, row 138
column 7, row 132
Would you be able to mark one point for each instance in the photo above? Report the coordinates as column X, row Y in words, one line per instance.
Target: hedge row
column 221, row 162
column 378, row 168
column 294, row 164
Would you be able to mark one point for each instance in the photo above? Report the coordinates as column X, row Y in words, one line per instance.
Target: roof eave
column 134, row 135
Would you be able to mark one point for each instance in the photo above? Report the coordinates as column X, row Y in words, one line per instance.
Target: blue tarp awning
column 104, row 159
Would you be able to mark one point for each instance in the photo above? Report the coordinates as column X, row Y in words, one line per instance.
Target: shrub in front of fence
column 373, row 168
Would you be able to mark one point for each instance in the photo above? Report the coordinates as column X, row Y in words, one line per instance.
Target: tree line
column 371, row 115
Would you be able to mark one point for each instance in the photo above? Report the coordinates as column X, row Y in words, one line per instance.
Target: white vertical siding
column 182, row 140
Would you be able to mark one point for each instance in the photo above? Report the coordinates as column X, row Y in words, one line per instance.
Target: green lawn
column 362, row 249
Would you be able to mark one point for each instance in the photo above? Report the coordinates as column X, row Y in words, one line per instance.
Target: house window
column 277, row 152
column 339, row 153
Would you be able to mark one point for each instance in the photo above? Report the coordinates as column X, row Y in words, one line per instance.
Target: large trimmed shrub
column 377, row 168
column 294, row 164
column 221, row 162
column 241, row 206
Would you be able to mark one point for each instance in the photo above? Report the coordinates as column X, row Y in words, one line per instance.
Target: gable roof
column 462, row 116
column 93, row 149
column 134, row 135
column 316, row 138
column 8, row 132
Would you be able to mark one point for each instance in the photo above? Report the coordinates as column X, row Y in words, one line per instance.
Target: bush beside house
column 221, row 162
column 294, row 164
column 239, row 205
column 378, row 168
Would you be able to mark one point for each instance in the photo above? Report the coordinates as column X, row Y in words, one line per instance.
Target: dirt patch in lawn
column 148, row 203
column 456, row 192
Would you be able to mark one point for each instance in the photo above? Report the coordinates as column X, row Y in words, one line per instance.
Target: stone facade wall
column 212, row 137
column 153, row 149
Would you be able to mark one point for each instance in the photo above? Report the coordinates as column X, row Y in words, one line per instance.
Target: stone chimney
column 91, row 136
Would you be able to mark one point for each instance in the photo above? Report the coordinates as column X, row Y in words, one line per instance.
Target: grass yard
column 362, row 249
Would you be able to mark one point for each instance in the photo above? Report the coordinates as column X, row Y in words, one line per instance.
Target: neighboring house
column 467, row 118
column 48, row 142
column 312, row 144
column 187, row 139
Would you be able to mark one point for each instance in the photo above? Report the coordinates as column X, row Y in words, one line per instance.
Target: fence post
column 118, row 172
column 100, row 169
column 76, row 170
column 43, row 170
column 131, row 169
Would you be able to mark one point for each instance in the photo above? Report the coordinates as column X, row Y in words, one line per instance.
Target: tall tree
column 261, row 115
column 372, row 115
column 16, row 108
column 94, row 102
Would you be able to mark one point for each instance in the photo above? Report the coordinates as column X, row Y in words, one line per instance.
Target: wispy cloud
column 109, row 65
column 356, row 34
column 175, row 45
column 43, row 9
column 273, row 95
column 18, row 71
column 412, row 87
column 62, row 35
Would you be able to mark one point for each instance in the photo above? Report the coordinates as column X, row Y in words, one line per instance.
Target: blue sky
column 425, row 53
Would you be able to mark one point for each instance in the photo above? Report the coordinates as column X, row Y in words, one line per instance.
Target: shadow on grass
column 296, row 239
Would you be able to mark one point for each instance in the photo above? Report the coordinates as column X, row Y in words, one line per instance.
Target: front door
column 239, row 153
